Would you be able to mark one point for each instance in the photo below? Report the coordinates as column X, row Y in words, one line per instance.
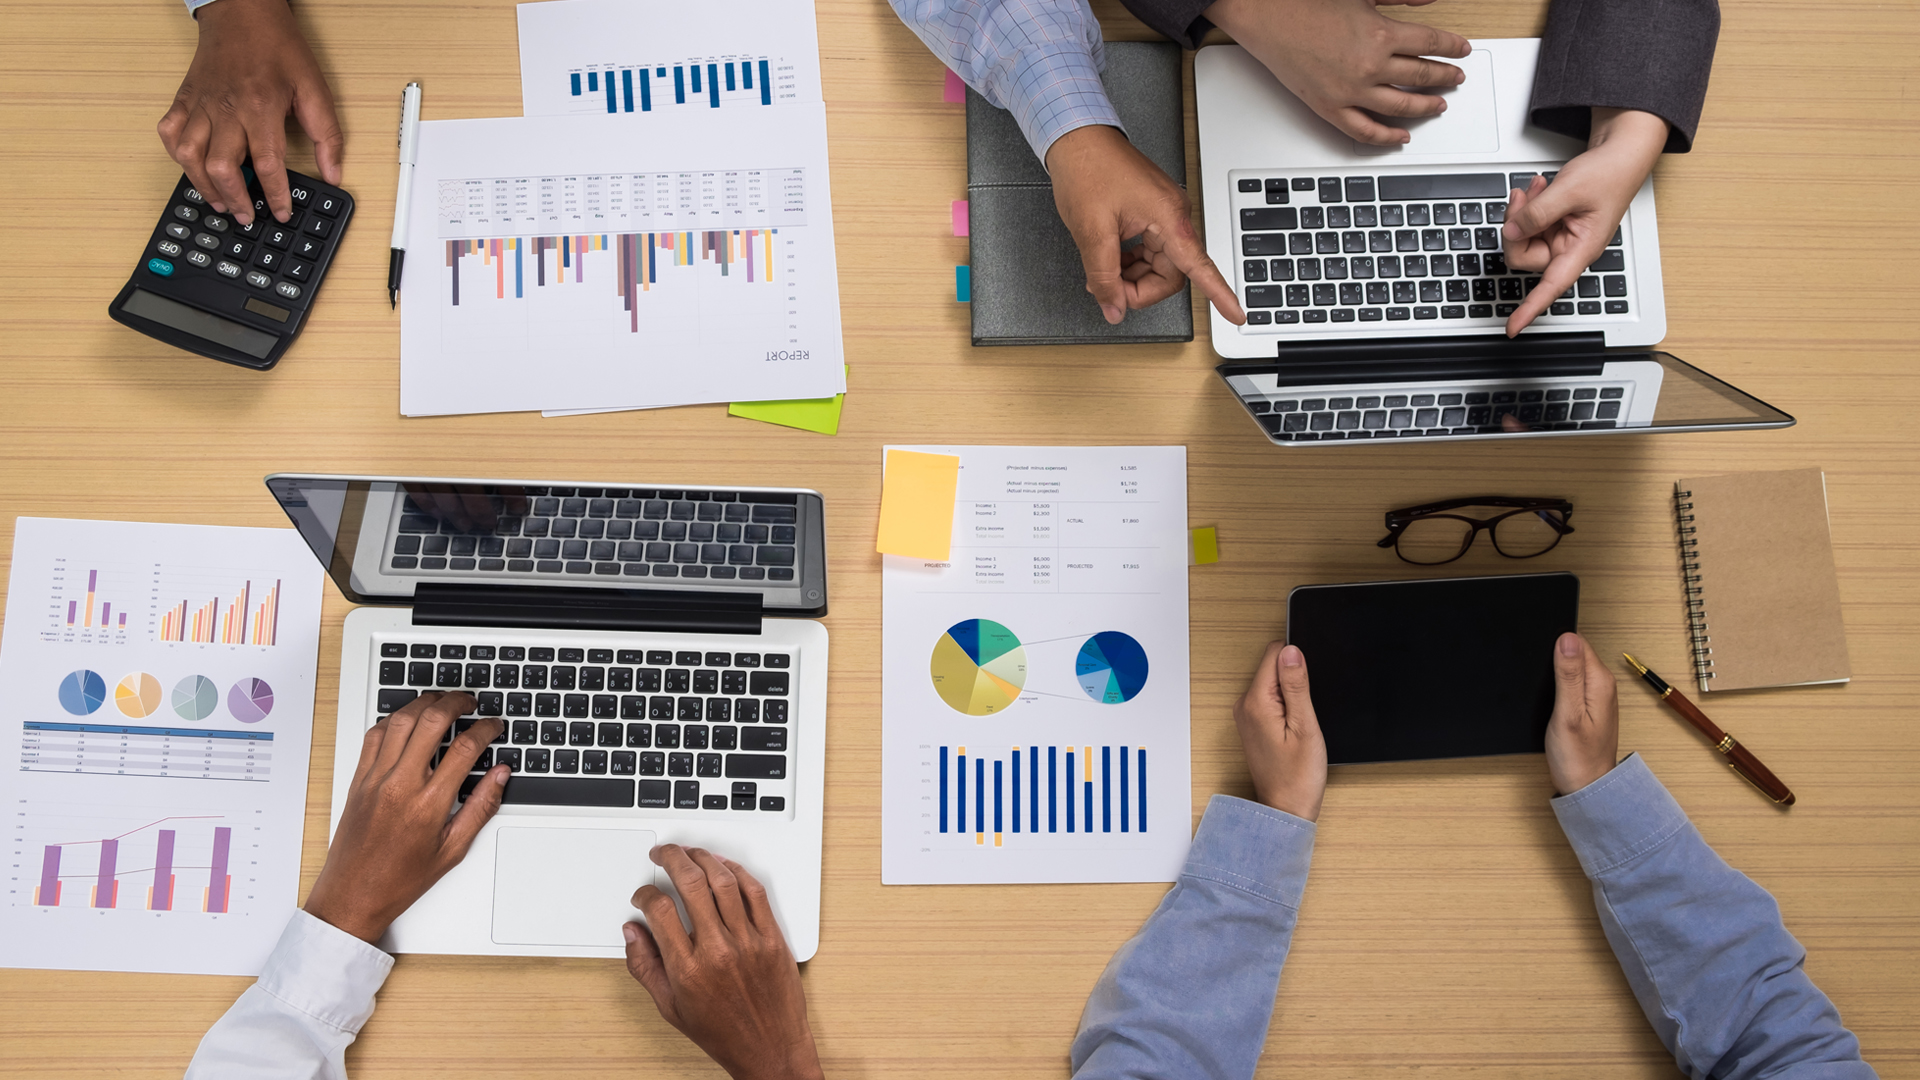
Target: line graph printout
column 613, row 57
column 682, row 259
column 153, row 782
column 1035, row 721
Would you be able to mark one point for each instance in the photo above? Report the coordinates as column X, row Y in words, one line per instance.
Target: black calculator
column 233, row 292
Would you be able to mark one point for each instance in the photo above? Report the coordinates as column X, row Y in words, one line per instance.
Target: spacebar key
column 1444, row 186
column 549, row 791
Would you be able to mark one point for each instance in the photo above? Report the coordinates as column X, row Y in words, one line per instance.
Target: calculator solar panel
column 233, row 292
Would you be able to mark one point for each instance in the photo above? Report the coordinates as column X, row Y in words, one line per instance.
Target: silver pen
column 403, row 199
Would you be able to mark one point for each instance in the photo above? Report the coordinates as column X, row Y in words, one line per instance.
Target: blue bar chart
column 992, row 797
column 707, row 84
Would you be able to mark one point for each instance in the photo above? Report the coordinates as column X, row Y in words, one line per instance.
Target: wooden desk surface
column 1447, row 930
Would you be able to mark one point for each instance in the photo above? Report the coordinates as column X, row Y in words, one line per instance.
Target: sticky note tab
column 1205, row 546
column 960, row 217
column 916, row 505
column 956, row 90
column 808, row 414
column 963, row 284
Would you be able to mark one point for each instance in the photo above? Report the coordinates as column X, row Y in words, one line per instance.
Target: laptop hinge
column 533, row 607
column 1390, row 360
column 1479, row 346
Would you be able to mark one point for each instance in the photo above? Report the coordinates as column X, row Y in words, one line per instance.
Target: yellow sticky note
column 916, row 505
column 808, row 414
column 1206, row 546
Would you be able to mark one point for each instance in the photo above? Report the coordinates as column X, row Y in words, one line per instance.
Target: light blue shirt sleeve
column 1039, row 59
column 196, row 5
column 1191, row 994
column 1702, row 945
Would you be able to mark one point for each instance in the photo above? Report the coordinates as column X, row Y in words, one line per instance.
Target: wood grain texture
column 1447, row 930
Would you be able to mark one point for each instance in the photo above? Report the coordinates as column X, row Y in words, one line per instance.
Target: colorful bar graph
column 943, row 789
column 634, row 253
column 219, row 882
column 241, row 621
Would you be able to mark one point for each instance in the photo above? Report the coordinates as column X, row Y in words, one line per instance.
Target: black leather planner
column 1029, row 287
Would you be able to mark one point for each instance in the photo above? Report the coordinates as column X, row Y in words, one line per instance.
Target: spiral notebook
column 1762, row 595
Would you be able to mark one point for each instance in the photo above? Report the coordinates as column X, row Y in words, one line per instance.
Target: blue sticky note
column 963, row 284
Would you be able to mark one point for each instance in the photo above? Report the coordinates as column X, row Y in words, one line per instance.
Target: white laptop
column 1376, row 287
column 653, row 653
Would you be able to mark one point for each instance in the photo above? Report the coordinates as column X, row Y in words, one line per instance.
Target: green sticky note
column 810, row 414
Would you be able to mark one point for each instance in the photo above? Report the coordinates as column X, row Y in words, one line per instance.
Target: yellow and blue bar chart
column 987, row 798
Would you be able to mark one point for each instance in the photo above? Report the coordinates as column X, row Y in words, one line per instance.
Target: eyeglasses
column 1429, row 535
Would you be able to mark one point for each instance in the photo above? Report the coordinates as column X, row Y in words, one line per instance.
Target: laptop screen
column 380, row 538
column 1334, row 398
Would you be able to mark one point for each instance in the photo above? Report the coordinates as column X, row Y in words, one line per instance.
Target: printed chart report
column 680, row 257
column 1035, row 722
column 159, row 685
column 610, row 57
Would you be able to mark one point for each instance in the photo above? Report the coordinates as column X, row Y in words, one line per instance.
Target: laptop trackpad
column 567, row 886
column 1471, row 124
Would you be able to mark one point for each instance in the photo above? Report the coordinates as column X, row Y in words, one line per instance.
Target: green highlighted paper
column 808, row 414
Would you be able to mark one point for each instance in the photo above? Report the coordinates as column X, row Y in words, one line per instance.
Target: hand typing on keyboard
column 1107, row 192
column 1346, row 60
column 395, row 837
column 252, row 67
column 1559, row 230
column 730, row 985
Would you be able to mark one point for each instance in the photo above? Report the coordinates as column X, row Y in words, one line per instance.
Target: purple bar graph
column 163, row 873
column 49, row 878
column 106, row 613
column 217, row 879
column 73, row 611
column 104, row 886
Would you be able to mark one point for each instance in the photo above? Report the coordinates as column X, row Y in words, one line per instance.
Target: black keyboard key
column 525, row 732
column 1269, row 219
column 1330, row 189
column 686, row 794
column 745, row 794
column 640, row 735
column 553, row 733
column 653, row 763
column 623, row 762
column 491, row 703
column 546, row 791
column 1614, row 285
column 393, row 673
column 763, row 738
column 656, row 794
column 566, row 761
column 773, row 802
column 775, row 711
column 394, row 699
column 537, row 759
column 1248, row 184
column 1611, row 261
column 680, row 764
column 707, row 765
column 519, row 704
column 756, row 767
column 726, row 736
column 580, row 734
column 593, row 762
column 1360, row 189
column 508, row 756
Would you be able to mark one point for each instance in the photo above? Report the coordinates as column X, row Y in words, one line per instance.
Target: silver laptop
column 653, row 653
column 1377, row 291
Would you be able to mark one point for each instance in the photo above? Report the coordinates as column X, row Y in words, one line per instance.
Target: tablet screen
column 1409, row 670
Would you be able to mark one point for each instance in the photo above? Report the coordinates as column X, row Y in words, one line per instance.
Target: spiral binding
column 1690, row 586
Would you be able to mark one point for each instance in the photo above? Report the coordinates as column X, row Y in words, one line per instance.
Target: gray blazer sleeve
column 1652, row 55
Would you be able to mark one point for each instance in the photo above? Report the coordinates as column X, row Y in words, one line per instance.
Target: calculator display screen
column 199, row 323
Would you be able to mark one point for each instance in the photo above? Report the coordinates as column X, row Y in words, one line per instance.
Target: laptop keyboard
column 660, row 729
column 1467, row 412
column 610, row 532
column 1398, row 248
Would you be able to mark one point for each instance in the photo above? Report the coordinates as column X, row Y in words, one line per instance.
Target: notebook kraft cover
column 1029, row 286
column 1769, row 596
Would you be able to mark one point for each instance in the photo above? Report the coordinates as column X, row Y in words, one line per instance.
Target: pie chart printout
column 979, row 667
column 195, row 697
column 1112, row 667
column 250, row 700
column 137, row 695
column 82, row 692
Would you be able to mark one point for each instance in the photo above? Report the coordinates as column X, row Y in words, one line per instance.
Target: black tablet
column 1410, row 670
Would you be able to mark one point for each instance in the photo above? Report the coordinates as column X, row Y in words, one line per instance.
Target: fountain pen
column 1739, row 759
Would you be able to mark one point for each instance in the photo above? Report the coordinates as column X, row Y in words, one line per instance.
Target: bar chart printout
column 1034, row 712
column 155, row 784
column 686, row 260
column 605, row 57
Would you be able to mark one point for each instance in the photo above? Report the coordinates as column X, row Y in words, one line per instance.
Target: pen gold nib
column 1637, row 665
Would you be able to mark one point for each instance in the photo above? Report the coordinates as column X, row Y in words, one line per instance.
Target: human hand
column 731, row 986
column 251, row 69
column 395, row 837
column 1558, row 230
column 1345, row 59
column 1281, row 736
column 1583, row 738
column 1107, row 191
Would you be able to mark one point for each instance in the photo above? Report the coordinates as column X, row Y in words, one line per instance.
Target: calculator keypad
column 261, row 275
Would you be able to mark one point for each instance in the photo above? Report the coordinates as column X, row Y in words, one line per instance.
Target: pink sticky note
column 959, row 217
column 956, row 90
